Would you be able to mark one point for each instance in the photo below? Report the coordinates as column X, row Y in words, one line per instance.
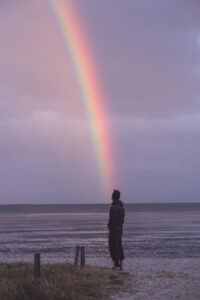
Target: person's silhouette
column 115, row 225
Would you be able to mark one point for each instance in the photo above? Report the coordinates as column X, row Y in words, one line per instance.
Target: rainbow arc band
column 77, row 48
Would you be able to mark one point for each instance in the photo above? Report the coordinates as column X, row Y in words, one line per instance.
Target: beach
column 161, row 244
column 162, row 279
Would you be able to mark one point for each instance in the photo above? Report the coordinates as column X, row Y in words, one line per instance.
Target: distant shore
column 98, row 207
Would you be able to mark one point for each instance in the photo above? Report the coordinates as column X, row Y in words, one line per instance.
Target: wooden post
column 82, row 256
column 37, row 267
column 77, row 255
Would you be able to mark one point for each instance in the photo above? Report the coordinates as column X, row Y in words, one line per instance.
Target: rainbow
column 77, row 48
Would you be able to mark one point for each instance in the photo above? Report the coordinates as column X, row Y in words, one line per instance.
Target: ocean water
column 165, row 231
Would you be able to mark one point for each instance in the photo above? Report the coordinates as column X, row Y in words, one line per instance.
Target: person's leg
column 116, row 263
column 114, row 248
column 117, row 250
column 121, row 254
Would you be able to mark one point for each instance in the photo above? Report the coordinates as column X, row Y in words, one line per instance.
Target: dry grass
column 58, row 282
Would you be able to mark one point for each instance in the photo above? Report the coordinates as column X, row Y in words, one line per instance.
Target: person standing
column 115, row 226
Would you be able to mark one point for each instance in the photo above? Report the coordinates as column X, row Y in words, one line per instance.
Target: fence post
column 82, row 256
column 37, row 267
column 77, row 255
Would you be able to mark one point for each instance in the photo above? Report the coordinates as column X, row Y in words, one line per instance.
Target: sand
column 162, row 279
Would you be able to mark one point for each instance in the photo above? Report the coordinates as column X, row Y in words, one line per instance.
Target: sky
column 147, row 55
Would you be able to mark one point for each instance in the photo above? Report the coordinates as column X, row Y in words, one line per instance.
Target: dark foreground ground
column 58, row 282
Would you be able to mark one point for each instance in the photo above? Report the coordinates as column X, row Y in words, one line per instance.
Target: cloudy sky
column 148, row 61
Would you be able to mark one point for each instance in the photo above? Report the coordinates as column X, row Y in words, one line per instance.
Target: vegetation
column 58, row 282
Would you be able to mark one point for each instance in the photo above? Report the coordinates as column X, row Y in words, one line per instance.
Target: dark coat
column 116, row 219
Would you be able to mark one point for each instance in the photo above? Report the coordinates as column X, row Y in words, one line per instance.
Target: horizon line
column 35, row 204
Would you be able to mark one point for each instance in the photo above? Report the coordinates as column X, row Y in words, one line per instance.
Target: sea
column 153, row 230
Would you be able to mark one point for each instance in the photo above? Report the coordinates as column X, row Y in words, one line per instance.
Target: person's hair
column 115, row 195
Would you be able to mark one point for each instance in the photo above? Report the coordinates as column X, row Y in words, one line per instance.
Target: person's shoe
column 116, row 268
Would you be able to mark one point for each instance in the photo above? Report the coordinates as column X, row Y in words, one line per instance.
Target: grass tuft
column 58, row 282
